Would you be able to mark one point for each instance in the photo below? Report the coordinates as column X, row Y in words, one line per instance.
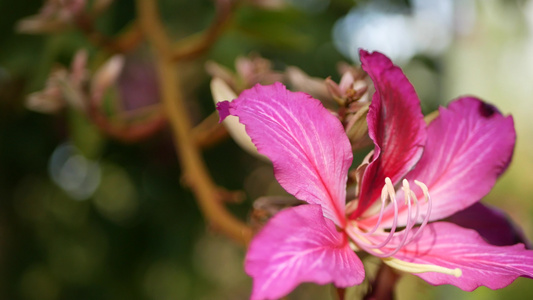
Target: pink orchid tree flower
column 417, row 176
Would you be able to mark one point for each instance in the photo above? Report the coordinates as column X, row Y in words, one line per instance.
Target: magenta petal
column 306, row 143
column 395, row 124
column 469, row 145
column 451, row 246
column 491, row 223
column 300, row 245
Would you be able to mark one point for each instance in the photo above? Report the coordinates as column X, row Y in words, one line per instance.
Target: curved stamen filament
column 425, row 190
column 359, row 237
column 406, row 231
column 409, row 195
column 364, row 240
column 384, row 193
column 389, row 188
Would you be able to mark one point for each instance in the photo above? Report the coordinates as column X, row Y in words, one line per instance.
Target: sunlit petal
column 470, row 144
column 395, row 124
column 452, row 247
column 300, row 245
column 306, row 143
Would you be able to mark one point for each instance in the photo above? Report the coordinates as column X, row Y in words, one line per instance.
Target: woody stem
column 194, row 169
column 382, row 288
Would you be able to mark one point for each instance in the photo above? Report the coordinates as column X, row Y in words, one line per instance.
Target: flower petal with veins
column 299, row 245
column 450, row 246
column 305, row 142
column 470, row 144
column 395, row 124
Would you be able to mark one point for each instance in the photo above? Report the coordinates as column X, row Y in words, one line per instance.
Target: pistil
column 420, row 268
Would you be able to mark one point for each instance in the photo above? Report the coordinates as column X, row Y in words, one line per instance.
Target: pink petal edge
column 395, row 124
column 470, row 144
column 305, row 142
column 491, row 223
column 299, row 245
column 451, row 246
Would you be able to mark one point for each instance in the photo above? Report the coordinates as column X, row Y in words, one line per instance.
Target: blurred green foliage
column 140, row 235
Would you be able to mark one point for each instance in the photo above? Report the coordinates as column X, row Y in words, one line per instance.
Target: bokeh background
column 83, row 216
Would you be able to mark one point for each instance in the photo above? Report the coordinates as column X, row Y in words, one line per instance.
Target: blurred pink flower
column 450, row 164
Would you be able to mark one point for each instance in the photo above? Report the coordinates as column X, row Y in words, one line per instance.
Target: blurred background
column 86, row 216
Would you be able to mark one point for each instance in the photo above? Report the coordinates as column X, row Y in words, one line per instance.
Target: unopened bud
column 357, row 128
column 54, row 16
column 50, row 100
column 222, row 92
column 106, row 76
column 266, row 207
column 313, row 86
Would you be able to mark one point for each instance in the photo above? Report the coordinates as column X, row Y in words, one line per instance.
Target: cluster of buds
column 353, row 97
column 75, row 87
column 348, row 100
column 248, row 72
column 57, row 15
column 128, row 83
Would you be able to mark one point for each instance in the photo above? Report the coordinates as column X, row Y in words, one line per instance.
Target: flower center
column 383, row 242
column 375, row 239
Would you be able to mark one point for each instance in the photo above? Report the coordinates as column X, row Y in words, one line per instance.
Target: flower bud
column 105, row 77
column 250, row 70
column 222, row 92
column 54, row 16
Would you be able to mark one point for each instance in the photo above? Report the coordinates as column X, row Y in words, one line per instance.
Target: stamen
column 363, row 243
column 410, row 223
column 428, row 211
column 360, row 237
column 420, row 268
column 353, row 246
column 383, row 201
column 392, row 196
column 363, row 240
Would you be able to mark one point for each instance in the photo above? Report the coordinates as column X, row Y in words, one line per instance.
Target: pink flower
column 416, row 176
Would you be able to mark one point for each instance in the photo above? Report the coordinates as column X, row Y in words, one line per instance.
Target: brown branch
column 193, row 166
column 128, row 132
column 209, row 132
column 383, row 286
column 125, row 42
column 341, row 293
column 197, row 44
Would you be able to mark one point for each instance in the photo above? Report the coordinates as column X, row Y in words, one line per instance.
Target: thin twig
column 197, row 44
column 126, row 41
column 209, row 132
column 341, row 293
column 128, row 132
column 382, row 288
